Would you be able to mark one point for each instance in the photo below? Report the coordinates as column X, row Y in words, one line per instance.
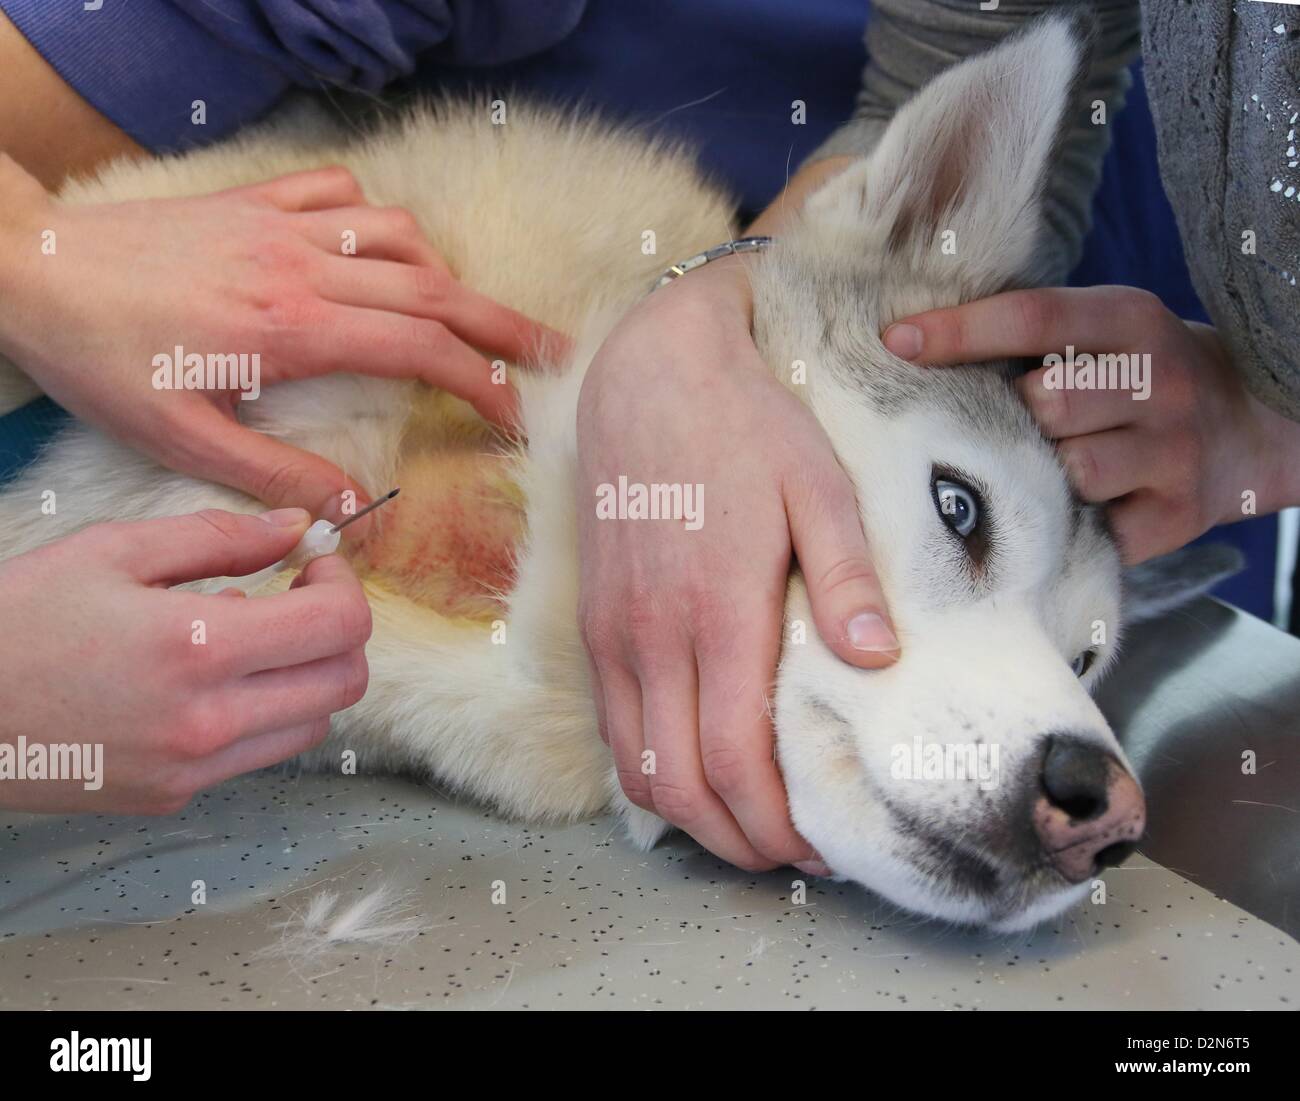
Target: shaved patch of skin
column 449, row 540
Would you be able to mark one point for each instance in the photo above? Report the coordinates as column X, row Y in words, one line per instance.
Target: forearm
column 176, row 74
column 54, row 132
column 802, row 184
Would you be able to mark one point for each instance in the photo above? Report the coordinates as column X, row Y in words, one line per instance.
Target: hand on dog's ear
column 954, row 190
column 1172, row 580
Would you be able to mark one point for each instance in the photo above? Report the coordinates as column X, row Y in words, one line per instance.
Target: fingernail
column 868, row 631
column 286, row 517
column 903, row 340
column 813, row 867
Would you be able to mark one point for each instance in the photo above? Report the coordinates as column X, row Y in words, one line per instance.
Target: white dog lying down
column 975, row 780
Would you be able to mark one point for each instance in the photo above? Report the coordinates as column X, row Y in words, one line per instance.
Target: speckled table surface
column 97, row 912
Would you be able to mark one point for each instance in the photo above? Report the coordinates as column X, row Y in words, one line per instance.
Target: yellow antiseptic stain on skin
column 448, row 542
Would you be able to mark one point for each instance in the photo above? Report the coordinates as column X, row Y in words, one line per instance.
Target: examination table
column 97, row 912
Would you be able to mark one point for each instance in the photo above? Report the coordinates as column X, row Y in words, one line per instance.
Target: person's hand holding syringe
column 188, row 688
column 320, row 539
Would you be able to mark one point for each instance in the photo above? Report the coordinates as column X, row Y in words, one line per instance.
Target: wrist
column 22, row 203
column 721, row 287
column 22, row 199
column 724, row 283
column 27, row 247
column 1280, row 451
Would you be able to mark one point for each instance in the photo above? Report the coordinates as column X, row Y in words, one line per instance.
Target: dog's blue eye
column 957, row 506
column 1083, row 662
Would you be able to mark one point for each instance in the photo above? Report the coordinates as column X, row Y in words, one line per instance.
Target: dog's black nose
column 1074, row 777
column 1091, row 811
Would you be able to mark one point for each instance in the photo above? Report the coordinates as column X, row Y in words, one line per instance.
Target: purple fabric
column 144, row 63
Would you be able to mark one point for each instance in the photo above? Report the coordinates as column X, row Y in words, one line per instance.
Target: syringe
column 320, row 539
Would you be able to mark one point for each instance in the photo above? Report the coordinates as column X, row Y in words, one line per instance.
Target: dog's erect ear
column 1172, row 580
column 953, row 191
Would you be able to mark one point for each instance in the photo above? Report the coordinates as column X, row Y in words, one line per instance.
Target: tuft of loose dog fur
column 378, row 917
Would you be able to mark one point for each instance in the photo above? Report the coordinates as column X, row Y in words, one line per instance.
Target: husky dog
column 975, row 780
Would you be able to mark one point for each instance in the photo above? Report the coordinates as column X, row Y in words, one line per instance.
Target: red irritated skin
column 448, row 541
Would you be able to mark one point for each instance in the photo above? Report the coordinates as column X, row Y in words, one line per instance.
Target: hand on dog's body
column 98, row 649
column 252, row 269
column 1169, row 467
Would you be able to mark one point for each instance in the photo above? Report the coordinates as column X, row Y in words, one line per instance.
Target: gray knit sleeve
column 909, row 42
column 1223, row 84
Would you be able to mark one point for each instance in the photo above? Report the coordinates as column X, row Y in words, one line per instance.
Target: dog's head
column 975, row 780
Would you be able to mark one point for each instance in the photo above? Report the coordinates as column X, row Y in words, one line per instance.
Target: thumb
column 848, row 605
column 276, row 473
column 211, row 543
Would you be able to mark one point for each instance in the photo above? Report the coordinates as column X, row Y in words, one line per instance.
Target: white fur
column 547, row 214
column 379, row 916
